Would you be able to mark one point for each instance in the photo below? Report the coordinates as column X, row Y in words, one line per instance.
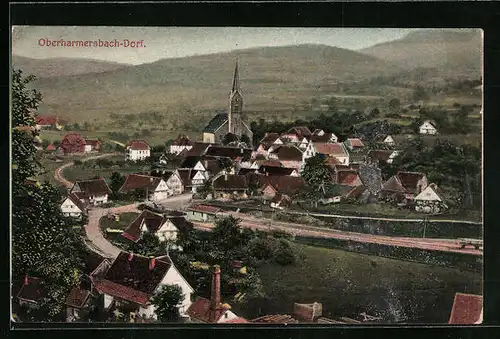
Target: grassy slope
column 350, row 283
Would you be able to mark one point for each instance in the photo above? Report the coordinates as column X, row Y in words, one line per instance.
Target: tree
column 394, row 104
column 228, row 138
column 116, row 183
column 227, row 234
column 44, row 244
column 167, row 302
column 245, row 139
column 316, row 172
column 225, row 163
column 460, row 123
column 374, row 113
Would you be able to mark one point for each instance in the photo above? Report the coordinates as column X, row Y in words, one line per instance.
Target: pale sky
column 173, row 42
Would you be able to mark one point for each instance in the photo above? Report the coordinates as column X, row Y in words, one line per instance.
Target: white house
column 132, row 280
column 309, row 151
column 94, row 191
column 333, row 150
column 430, row 200
column 180, row 144
column 137, row 150
column 198, row 180
column 427, row 128
column 72, row 206
column 174, row 183
column 155, row 187
column 385, row 139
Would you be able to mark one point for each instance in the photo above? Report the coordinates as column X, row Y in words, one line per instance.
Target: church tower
column 235, row 105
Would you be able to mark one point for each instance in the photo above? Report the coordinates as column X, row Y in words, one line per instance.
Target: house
column 269, row 141
column 385, row 139
column 467, row 309
column 430, row 200
column 31, row 292
column 180, row 144
column 203, row 213
column 385, row 156
column 211, row 311
column 428, row 127
column 232, row 121
column 165, row 228
column 230, row 186
column 72, row 206
column 73, row 143
column 271, row 185
column 78, row 303
column 93, row 191
column 333, row 150
column 132, row 280
column 300, row 131
column 48, row 122
column 404, row 186
column 307, row 312
column 233, row 153
column 137, row 150
column 348, row 177
column 354, row 144
column 273, row 170
column 186, row 174
column 321, row 136
column 172, row 179
column 280, row 201
column 288, row 156
column 308, row 151
column 155, row 188
column 92, row 145
column 336, row 193
column 198, row 149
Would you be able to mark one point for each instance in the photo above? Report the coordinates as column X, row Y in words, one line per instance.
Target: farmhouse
column 92, row 145
column 230, row 186
column 467, row 309
column 180, row 144
column 354, row 144
column 428, row 127
column 280, row 201
column 333, row 150
column 132, row 280
column 31, row 292
column 211, row 310
column 271, row 185
column 48, row 122
column 93, row 191
column 430, row 200
column 288, row 156
column 78, row 303
column 203, row 213
column 155, row 188
column 137, row 150
column 233, row 153
column 385, row 139
column 72, row 206
column 347, row 177
column 165, row 228
column 73, row 143
column 404, row 186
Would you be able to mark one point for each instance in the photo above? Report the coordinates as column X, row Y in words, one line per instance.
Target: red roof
column 347, row 177
column 328, row 148
column 355, row 142
column 93, row 142
column 204, row 209
column 76, row 200
column 51, row 147
column 120, row 291
column 46, row 120
column 200, row 310
column 301, row 131
column 272, row 163
column 73, row 138
column 138, row 181
column 138, row 145
column 77, row 297
column 269, row 138
column 467, row 309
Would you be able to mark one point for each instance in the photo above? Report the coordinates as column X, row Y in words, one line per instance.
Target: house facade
column 427, row 127
column 333, row 150
column 230, row 186
column 73, row 143
column 94, row 192
column 137, row 150
column 92, row 145
column 203, row 213
column 180, row 144
column 155, row 188
column 72, row 206
column 430, row 200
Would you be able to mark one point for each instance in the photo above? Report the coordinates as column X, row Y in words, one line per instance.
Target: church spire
column 236, row 79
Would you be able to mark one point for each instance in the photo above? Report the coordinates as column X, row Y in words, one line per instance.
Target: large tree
column 44, row 243
column 316, row 172
column 167, row 302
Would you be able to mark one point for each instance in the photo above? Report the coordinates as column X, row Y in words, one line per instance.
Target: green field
column 348, row 283
column 125, row 220
column 75, row 173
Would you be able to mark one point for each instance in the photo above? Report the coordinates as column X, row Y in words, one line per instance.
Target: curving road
column 58, row 172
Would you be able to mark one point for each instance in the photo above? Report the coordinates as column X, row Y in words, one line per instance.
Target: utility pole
column 425, row 226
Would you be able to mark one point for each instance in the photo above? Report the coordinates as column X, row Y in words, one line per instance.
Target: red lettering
column 42, row 42
column 126, row 43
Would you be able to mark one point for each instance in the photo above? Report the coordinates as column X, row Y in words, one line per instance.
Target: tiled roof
column 182, row 140
column 153, row 222
column 217, row 122
column 245, row 171
column 200, row 310
column 281, row 198
column 321, row 138
column 348, row 177
column 355, row 142
column 138, row 145
column 270, row 138
column 409, row 180
column 181, row 223
column 229, row 152
column 204, row 209
column 77, row 297
column 130, row 278
column 94, row 187
column 271, row 163
column 230, row 182
column 275, row 319
column 301, row 131
column 139, row 181
column 394, row 185
column 332, row 149
column 198, row 149
column 73, row 138
column 189, row 162
column 273, row 170
column 33, row 291
column 283, row 184
column 307, row 312
column 337, row 190
column 212, row 165
column 51, row 147
column 467, row 309
column 290, row 153
column 46, row 120
column 91, row 261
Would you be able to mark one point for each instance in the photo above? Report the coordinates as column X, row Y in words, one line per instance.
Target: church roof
column 217, row 122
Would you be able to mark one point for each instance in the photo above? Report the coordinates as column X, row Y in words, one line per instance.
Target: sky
column 173, row 42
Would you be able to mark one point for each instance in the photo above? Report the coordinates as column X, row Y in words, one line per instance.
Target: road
column 58, row 174
column 446, row 245
column 97, row 241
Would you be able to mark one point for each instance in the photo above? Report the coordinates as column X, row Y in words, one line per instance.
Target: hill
column 452, row 53
column 63, row 66
column 272, row 79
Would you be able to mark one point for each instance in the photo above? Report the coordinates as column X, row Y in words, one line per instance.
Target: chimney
column 152, row 263
column 26, row 281
column 130, row 256
column 215, row 293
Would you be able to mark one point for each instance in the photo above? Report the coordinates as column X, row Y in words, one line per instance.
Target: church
column 230, row 122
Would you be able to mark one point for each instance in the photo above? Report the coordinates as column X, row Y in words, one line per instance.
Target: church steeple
column 236, row 79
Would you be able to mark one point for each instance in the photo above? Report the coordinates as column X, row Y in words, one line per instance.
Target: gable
column 174, row 179
column 428, row 194
column 168, row 226
column 199, row 166
column 199, row 176
column 68, row 203
column 76, row 188
column 162, row 186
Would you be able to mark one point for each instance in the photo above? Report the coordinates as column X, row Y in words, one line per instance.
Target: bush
column 284, row 254
column 261, row 248
column 77, row 162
